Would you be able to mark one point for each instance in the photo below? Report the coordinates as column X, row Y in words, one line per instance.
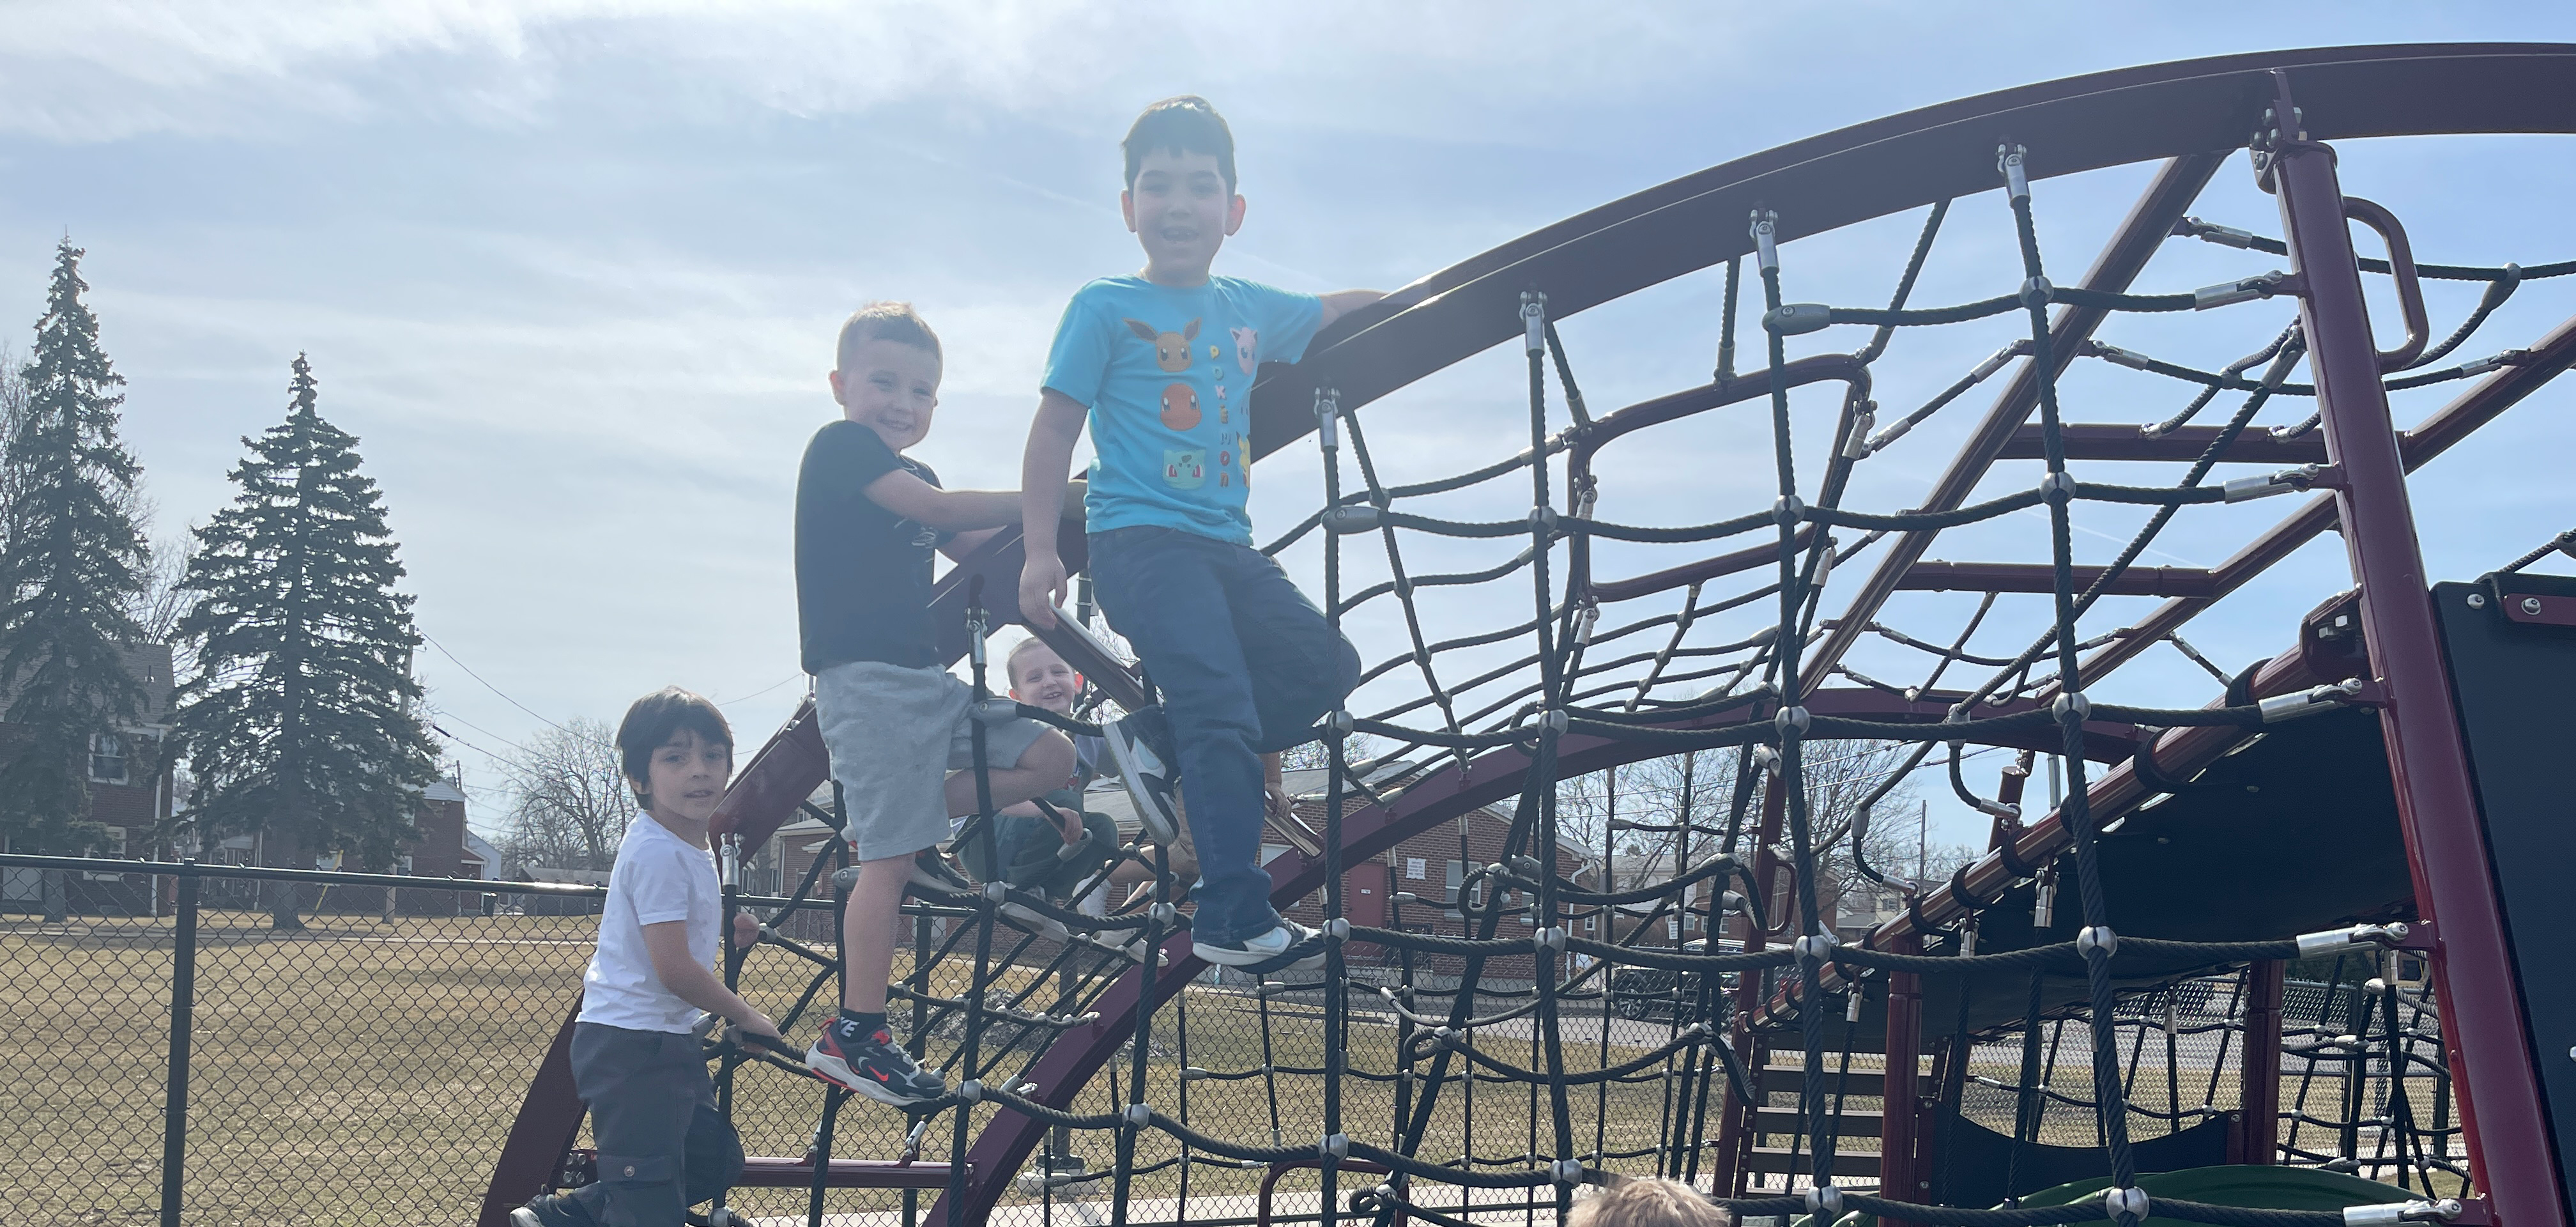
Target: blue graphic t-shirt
column 1167, row 374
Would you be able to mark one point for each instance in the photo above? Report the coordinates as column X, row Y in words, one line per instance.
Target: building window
column 1589, row 921
column 107, row 758
column 1457, row 871
column 1672, row 928
column 113, row 847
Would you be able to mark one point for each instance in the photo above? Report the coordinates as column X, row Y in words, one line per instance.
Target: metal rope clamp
column 2009, row 160
column 1335, row 1146
column 1567, row 1171
column 1814, row 947
column 1328, row 415
column 1791, row 721
column 1791, row 319
column 1137, row 1115
column 1355, row 518
column 2418, row 1210
column 999, row 709
column 1533, row 322
column 1764, row 230
column 970, row 1091
column 2336, row 941
column 1827, row 1201
column 2129, row 1203
column 2097, row 937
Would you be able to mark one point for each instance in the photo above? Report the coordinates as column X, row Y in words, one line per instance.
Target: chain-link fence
column 171, row 1055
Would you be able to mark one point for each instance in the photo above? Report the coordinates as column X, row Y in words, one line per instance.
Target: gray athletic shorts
column 894, row 734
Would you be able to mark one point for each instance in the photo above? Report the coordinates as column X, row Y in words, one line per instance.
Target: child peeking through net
column 1052, row 848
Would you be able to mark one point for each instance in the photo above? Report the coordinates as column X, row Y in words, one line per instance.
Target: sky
column 571, row 270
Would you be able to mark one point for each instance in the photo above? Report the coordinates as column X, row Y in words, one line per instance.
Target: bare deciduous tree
column 571, row 802
column 1639, row 810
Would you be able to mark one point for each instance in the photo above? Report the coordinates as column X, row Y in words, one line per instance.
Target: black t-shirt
column 862, row 572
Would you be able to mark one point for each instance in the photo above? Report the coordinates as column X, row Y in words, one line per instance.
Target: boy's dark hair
column 884, row 321
column 651, row 724
column 1187, row 124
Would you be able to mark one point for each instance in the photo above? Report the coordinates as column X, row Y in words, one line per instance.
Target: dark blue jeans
column 1246, row 665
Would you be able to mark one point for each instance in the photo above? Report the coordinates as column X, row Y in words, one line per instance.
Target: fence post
column 183, row 1005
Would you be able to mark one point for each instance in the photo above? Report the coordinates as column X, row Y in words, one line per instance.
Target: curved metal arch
column 1491, row 777
column 1907, row 161
column 1818, row 184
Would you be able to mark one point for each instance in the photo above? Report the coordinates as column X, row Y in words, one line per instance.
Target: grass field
column 366, row 1072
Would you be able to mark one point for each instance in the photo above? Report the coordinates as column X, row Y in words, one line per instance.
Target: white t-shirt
column 659, row 877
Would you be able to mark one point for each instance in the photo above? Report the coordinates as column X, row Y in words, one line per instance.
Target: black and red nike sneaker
column 870, row 1063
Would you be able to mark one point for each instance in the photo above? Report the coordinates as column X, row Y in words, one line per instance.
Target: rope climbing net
column 1408, row 1048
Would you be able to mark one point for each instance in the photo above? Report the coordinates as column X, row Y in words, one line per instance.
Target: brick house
column 130, row 794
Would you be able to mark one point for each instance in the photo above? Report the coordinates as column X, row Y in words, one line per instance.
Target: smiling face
column 1040, row 678
column 1180, row 209
column 891, row 388
column 686, row 777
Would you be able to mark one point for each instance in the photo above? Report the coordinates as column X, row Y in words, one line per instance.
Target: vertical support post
column 2258, row 1124
column 1737, row 1121
column 2510, row 1156
column 1900, row 1177
column 183, row 1008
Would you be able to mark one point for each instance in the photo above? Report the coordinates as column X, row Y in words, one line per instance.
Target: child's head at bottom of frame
column 1646, row 1201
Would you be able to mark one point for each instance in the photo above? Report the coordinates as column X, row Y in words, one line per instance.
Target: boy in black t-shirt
column 896, row 723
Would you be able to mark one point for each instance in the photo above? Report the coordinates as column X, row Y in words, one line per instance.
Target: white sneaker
column 1141, row 744
column 1289, row 947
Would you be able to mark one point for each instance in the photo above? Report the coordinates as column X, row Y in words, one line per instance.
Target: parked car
column 1647, row 992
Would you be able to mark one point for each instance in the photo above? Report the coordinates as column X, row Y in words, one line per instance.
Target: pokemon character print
column 1167, row 375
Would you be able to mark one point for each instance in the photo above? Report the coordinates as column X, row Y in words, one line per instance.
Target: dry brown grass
column 366, row 1072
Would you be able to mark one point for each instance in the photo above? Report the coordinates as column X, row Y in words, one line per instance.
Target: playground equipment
column 2379, row 793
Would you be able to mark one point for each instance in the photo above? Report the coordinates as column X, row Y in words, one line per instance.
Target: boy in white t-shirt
column 635, row 1054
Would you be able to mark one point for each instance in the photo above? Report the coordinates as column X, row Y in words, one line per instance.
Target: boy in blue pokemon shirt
column 1160, row 365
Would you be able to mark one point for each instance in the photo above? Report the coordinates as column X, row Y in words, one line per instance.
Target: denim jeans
column 1246, row 665
column 1032, row 853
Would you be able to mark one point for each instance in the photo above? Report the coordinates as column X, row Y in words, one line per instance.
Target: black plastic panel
column 2516, row 686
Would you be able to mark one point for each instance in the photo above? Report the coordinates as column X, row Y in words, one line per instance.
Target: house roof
column 550, row 873
column 443, row 790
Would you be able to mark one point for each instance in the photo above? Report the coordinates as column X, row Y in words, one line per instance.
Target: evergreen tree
column 71, row 564
column 302, row 720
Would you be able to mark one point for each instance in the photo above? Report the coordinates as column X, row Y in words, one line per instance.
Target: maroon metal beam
column 2041, row 577
column 1368, row 830
column 2258, row 1115
column 1901, row 162
column 2149, row 223
column 2501, row 1115
column 1700, row 572
column 549, row 1118
column 2122, row 441
column 2178, row 753
column 1899, row 1176
column 2437, row 433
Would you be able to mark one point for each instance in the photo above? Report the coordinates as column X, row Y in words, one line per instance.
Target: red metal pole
column 2258, row 1115
column 1735, row 1119
column 2499, row 1089
column 1898, row 1176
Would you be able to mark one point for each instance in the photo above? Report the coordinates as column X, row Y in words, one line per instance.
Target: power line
column 469, row 672
column 762, row 691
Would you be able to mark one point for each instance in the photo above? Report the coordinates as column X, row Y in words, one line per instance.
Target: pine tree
column 71, row 564
column 302, row 720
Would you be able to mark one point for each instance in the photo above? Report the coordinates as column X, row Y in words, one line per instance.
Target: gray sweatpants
column 662, row 1146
